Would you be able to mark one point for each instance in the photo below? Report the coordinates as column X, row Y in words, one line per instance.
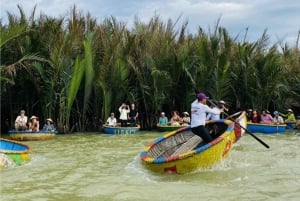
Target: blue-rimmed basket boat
column 16, row 151
column 120, row 130
column 266, row 128
column 31, row 136
column 182, row 152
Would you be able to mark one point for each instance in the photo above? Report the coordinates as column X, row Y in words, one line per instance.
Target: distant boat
column 293, row 125
column 170, row 127
column 29, row 135
column 15, row 151
column 181, row 151
column 120, row 130
column 266, row 128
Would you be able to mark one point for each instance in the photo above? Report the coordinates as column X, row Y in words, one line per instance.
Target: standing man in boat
column 133, row 115
column 21, row 121
column 199, row 110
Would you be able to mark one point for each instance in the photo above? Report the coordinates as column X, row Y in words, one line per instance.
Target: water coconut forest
column 77, row 70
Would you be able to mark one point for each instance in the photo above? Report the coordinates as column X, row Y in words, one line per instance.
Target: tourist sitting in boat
column 34, row 124
column 222, row 105
column 133, row 115
column 212, row 116
column 186, row 118
column 163, row 120
column 255, row 117
column 277, row 118
column 112, row 120
column 249, row 114
column 290, row 117
column 266, row 118
column 21, row 121
column 175, row 119
column 124, row 110
column 49, row 126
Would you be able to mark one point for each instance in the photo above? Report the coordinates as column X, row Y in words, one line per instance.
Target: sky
column 281, row 18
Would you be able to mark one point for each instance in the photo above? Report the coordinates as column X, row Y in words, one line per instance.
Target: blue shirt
column 163, row 121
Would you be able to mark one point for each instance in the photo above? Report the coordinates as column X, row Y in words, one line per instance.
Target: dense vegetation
column 77, row 71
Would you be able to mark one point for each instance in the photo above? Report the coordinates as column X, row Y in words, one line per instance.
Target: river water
column 94, row 166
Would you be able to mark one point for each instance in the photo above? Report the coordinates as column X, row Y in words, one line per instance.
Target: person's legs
column 132, row 122
column 203, row 133
column 123, row 123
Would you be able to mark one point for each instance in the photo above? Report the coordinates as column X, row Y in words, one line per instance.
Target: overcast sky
column 281, row 18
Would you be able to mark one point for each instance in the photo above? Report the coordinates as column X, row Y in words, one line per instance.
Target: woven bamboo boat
column 29, row 135
column 15, row 151
column 182, row 152
column 266, row 128
column 120, row 130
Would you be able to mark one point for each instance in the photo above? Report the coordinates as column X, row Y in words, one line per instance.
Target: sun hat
column 33, row 117
column 162, row 113
column 290, row 110
column 276, row 112
column 222, row 102
column 201, row 96
column 186, row 113
column 49, row 119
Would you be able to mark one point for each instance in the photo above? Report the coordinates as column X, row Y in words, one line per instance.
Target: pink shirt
column 266, row 119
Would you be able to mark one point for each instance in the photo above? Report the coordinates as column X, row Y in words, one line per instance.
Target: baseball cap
column 202, row 96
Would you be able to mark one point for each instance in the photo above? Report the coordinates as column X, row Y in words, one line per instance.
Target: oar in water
column 254, row 136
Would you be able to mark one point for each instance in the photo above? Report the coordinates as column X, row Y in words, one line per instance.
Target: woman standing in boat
column 199, row 109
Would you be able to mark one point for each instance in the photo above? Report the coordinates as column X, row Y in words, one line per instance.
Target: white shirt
column 278, row 120
column 211, row 116
column 198, row 113
column 21, row 120
column 111, row 121
column 123, row 113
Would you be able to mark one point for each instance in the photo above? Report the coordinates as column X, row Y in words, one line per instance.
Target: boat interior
column 185, row 141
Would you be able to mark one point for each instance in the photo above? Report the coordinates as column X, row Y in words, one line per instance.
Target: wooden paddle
column 254, row 136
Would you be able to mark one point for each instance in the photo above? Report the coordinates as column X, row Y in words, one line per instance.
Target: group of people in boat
column 22, row 123
column 175, row 120
column 185, row 119
column 128, row 115
column 265, row 116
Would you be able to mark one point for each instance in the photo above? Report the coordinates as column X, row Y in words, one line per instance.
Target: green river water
column 93, row 166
